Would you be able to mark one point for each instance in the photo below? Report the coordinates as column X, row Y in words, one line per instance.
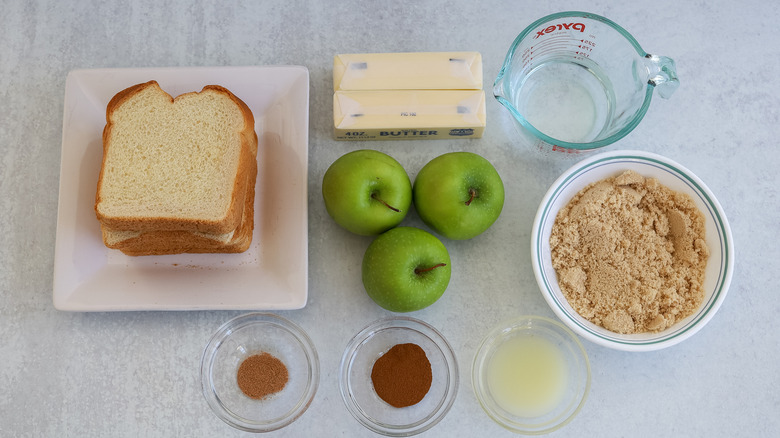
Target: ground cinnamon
column 402, row 376
column 261, row 375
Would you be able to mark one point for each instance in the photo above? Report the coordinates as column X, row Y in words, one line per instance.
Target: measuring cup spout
column 502, row 95
column 662, row 74
column 498, row 87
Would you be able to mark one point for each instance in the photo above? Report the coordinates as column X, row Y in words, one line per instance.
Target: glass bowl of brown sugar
column 259, row 372
column 398, row 376
column 632, row 251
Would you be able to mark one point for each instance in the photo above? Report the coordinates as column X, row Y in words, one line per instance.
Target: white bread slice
column 175, row 164
column 176, row 242
column 118, row 239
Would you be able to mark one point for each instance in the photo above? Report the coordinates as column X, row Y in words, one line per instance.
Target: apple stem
column 419, row 271
column 373, row 196
column 472, row 195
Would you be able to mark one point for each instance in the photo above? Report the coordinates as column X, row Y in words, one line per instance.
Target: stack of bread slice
column 178, row 175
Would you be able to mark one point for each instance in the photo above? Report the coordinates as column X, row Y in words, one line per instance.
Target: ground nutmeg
column 261, row 375
column 402, row 376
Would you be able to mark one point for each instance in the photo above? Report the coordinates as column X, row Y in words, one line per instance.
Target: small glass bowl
column 357, row 389
column 245, row 336
column 575, row 372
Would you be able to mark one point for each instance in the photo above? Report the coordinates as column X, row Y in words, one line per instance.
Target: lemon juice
column 527, row 376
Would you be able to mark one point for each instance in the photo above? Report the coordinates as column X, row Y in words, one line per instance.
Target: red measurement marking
column 551, row 48
column 557, row 148
column 553, row 40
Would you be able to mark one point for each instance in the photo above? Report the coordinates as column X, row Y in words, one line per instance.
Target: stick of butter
column 408, row 71
column 407, row 114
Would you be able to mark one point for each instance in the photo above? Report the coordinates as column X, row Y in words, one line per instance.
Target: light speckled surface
column 136, row 374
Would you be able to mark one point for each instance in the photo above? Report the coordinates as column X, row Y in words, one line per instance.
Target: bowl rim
column 223, row 334
column 405, row 323
column 502, row 330
column 601, row 336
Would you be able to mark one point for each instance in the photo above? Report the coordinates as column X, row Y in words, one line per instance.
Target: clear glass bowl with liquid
column 531, row 375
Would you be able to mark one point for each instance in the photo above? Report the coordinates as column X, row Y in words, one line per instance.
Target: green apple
column 406, row 269
column 459, row 195
column 367, row 192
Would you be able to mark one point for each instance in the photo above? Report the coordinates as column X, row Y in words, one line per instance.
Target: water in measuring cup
column 565, row 100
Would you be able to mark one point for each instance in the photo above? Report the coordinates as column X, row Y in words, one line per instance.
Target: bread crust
column 233, row 215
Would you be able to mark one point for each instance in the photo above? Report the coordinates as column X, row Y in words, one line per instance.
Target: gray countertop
column 137, row 373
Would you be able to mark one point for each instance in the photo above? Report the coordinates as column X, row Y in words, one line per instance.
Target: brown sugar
column 630, row 254
column 261, row 375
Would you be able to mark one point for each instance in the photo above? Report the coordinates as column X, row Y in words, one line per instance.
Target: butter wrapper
column 408, row 114
column 408, row 71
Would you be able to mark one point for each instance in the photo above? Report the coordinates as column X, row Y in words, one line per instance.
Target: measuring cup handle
column 662, row 74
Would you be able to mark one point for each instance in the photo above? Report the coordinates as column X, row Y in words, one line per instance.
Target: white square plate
column 272, row 274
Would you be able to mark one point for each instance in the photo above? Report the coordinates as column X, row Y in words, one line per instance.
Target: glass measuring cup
column 575, row 82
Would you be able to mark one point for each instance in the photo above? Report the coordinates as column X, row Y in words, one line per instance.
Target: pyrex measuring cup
column 576, row 81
